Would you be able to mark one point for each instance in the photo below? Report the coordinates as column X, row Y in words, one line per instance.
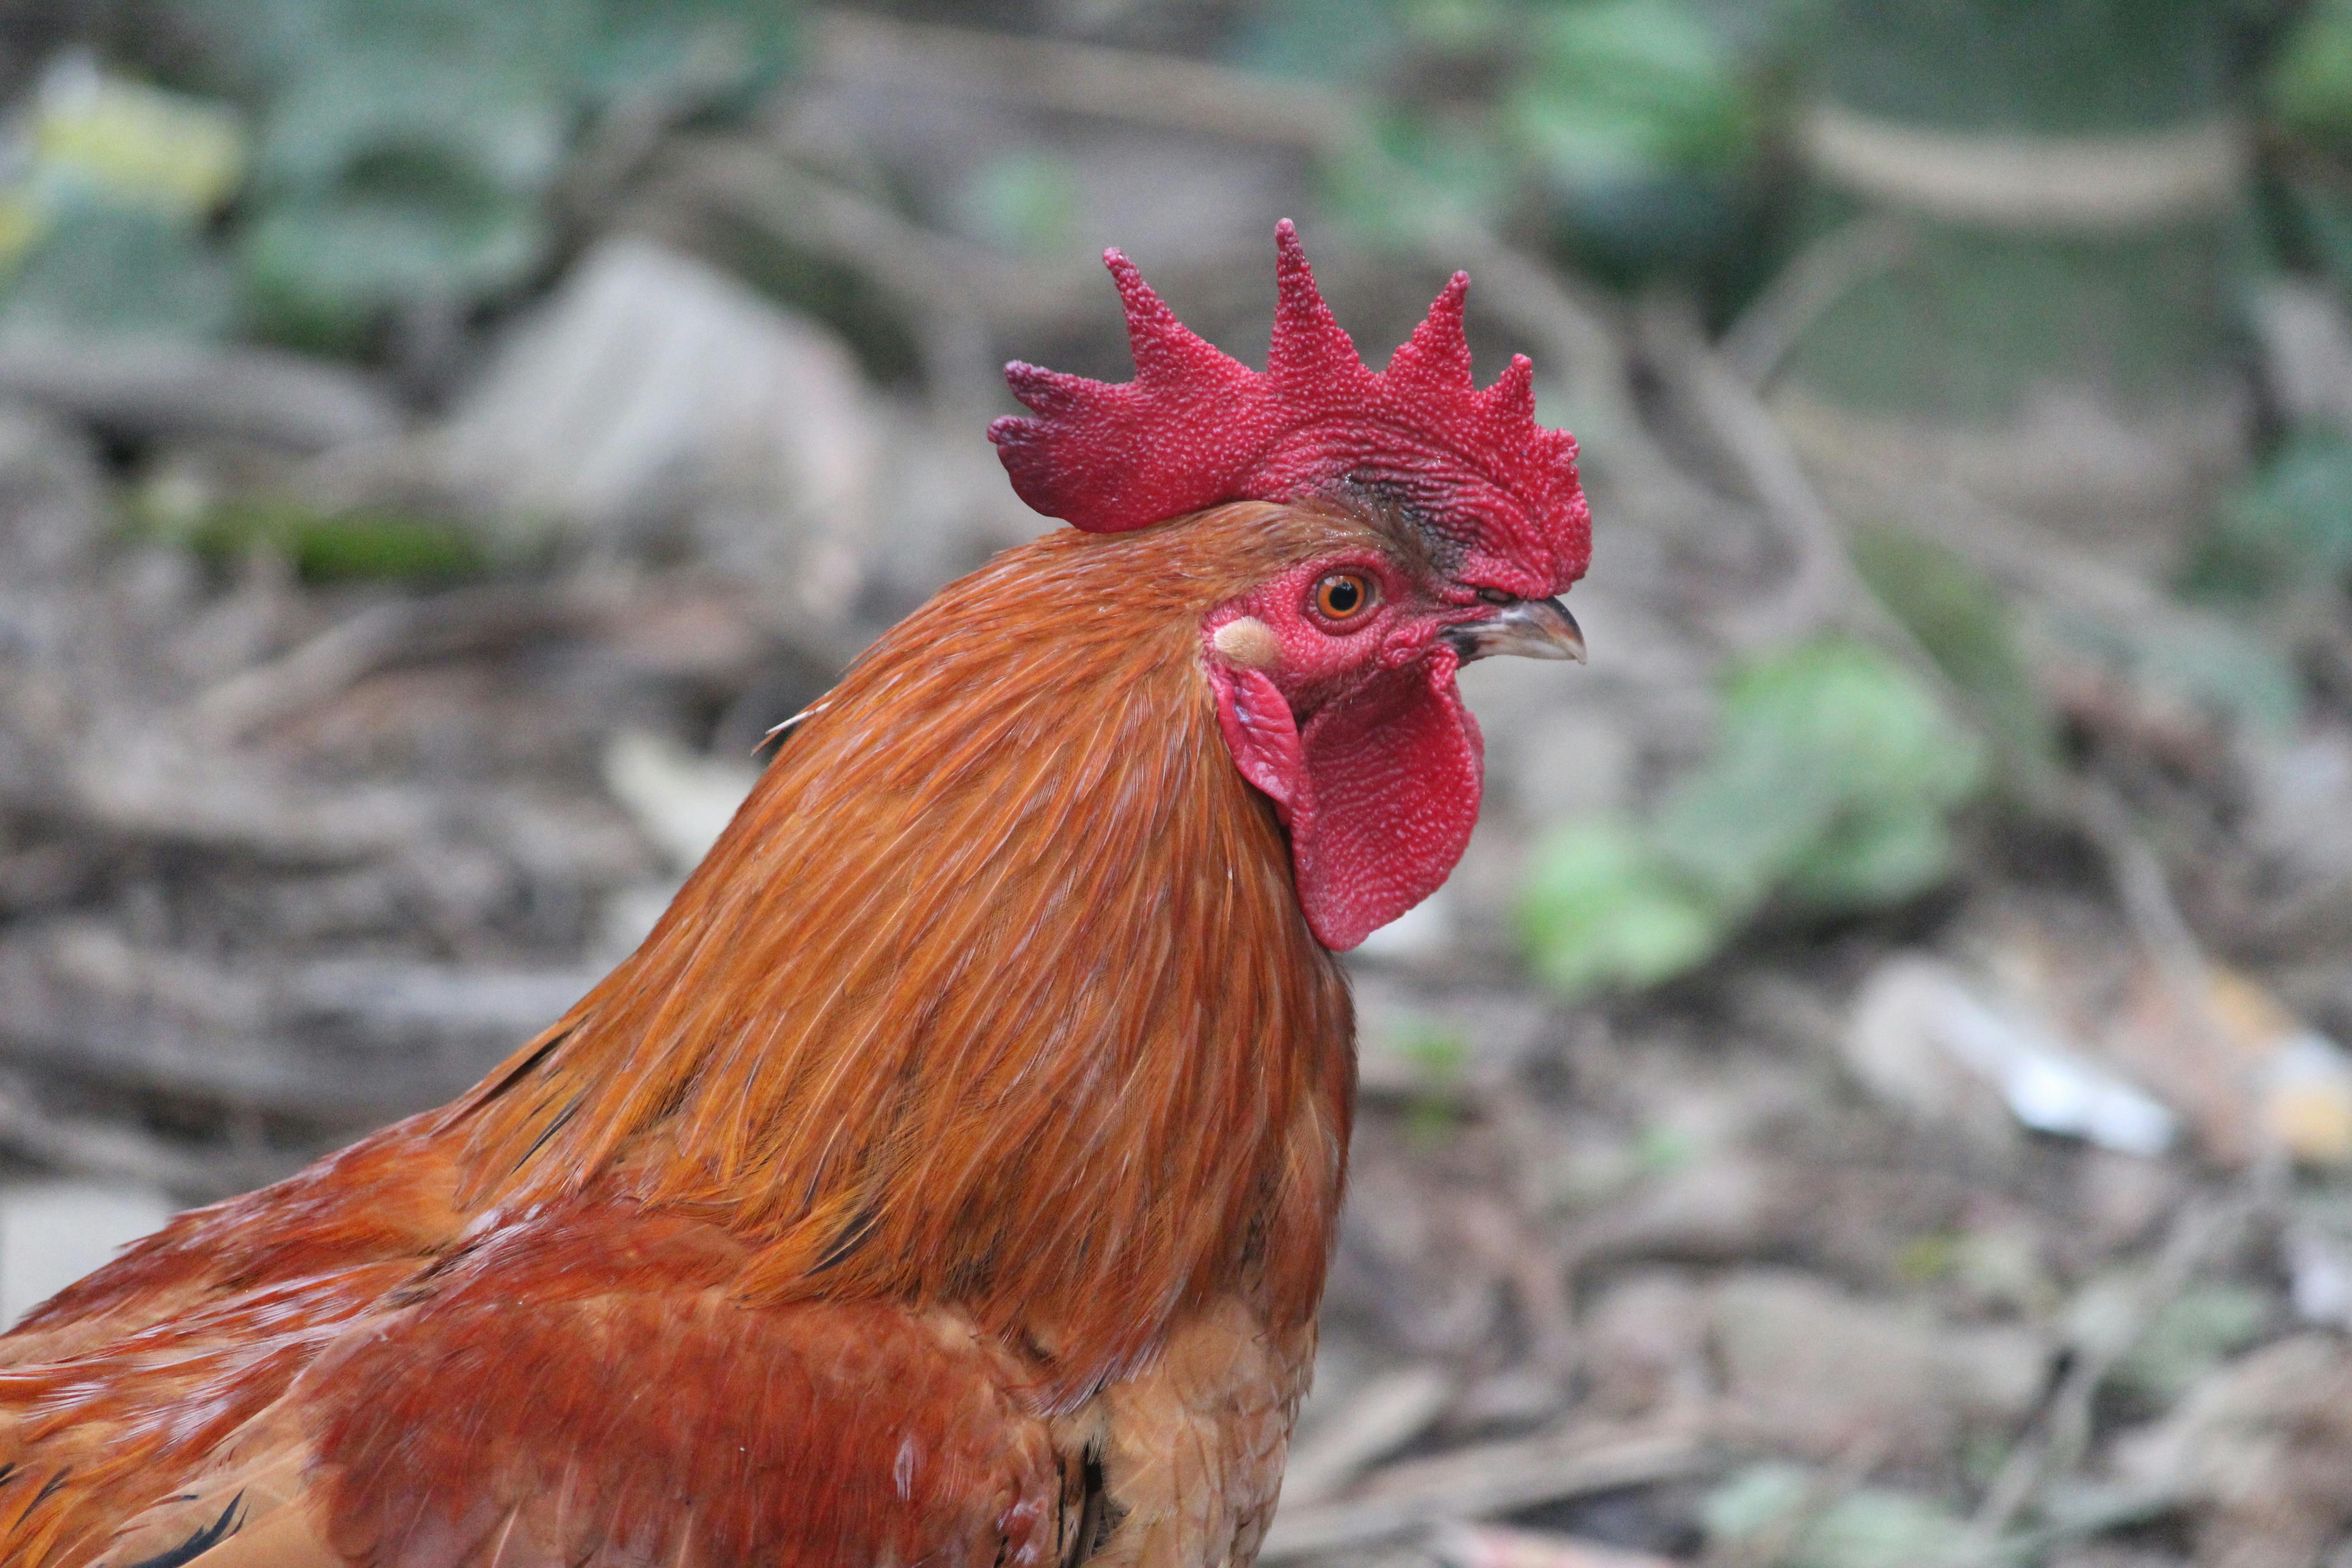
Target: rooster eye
column 1344, row 596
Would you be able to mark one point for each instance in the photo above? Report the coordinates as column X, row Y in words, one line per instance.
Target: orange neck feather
column 996, row 992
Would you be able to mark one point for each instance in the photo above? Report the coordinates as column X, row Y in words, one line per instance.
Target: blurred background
column 1874, row 1094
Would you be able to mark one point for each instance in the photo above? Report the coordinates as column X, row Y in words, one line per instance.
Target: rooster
column 950, row 1177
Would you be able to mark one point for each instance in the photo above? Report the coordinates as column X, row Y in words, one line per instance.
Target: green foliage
column 1413, row 174
column 1870, row 1527
column 2193, row 1335
column 1965, row 627
column 101, row 228
column 1621, row 90
column 1318, row 40
column 408, row 147
column 1829, row 790
column 2309, row 85
column 1630, row 126
column 1438, row 1056
column 327, row 546
column 1831, row 781
column 2289, row 523
column 1603, row 907
column 1636, row 122
column 2198, row 662
column 109, row 268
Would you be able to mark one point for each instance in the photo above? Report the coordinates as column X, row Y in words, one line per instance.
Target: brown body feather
column 949, row 1177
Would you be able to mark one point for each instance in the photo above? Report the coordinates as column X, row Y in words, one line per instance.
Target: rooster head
column 1334, row 676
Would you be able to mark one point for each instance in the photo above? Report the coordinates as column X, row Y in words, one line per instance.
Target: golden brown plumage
column 933, row 1047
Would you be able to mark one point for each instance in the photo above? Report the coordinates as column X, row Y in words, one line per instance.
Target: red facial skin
column 1358, row 735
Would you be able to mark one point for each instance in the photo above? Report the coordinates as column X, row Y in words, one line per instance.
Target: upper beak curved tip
column 1532, row 629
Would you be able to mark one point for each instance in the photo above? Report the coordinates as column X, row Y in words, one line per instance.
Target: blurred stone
column 2120, row 1197
column 942, row 505
column 1575, row 761
column 1646, row 1345
column 52, row 497
column 2306, row 343
column 53, row 1233
column 1812, row 1368
column 1423, row 931
column 658, row 405
column 2262, row 1450
column 1726, row 1206
column 680, row 799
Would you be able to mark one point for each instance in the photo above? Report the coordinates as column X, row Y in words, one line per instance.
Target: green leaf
column 327, row 546
column 1624, row 89
column 1872, row 1527
column 1876, row 1528
column 2289, row 523
column 493, row 124
column 706, row 50
column 1961, row 619
column 133, row 270
column 124, row 143
column 1830, row 754
column 2202, row 661
column 1601, row 910
column 1859, row 717
column 1830, row 786
column 1868, row 862
column 2191, row 1336
column 2309, row 88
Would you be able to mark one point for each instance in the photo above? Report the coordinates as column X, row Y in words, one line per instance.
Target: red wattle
column 1380, row 793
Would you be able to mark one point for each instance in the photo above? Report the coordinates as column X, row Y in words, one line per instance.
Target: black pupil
column 1342, row 595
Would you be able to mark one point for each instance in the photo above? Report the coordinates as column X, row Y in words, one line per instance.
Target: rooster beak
column 1532, row 629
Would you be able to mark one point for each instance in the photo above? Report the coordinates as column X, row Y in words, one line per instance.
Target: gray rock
column 1813, row 1368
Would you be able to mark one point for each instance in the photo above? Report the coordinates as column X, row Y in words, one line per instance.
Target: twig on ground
column 2203, row 1232
column 1375, row 1421
column 1479, row 1482
column 1801, row 293
column 153, row 387
column 397, row 631
column 1823, row 588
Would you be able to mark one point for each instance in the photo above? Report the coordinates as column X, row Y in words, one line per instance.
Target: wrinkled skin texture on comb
column 1498, row 493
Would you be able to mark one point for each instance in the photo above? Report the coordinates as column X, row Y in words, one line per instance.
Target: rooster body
column 951, row 1178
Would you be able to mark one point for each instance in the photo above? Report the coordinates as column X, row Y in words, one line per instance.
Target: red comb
column 1496, row 493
